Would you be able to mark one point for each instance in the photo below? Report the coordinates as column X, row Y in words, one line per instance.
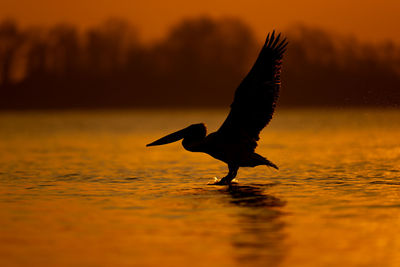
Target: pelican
column 253, row 106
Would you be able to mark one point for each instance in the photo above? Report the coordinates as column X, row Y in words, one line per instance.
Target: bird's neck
column 193, row 144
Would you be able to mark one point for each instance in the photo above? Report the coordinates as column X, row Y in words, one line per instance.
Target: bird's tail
column 264, row 161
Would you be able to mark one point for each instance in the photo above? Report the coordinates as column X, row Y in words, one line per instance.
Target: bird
column 252, row 109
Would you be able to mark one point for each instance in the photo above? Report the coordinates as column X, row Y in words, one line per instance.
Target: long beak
column 169, row 138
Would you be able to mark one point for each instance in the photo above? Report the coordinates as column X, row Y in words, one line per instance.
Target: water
column 81, row 189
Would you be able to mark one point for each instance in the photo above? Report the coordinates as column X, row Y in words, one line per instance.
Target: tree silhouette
column 200, row 63
column 10, row 41
column 204, row 59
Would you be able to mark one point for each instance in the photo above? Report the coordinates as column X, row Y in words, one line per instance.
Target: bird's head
column 194, row 131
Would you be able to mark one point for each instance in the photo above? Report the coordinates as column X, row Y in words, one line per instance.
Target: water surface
column 81, row 189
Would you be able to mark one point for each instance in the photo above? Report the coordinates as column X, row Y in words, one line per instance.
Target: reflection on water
column 259, row 239
column 252, row 196
column 81, row 189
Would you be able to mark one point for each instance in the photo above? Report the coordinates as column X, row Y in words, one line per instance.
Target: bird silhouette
column 253, row 106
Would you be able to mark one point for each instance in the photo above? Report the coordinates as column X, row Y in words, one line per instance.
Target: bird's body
column 236, row 140
column 225, row 149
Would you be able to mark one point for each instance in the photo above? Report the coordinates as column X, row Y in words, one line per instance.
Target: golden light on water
column 80, row 188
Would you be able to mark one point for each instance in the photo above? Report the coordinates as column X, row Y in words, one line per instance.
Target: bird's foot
column 223, row 181
column 215, row 181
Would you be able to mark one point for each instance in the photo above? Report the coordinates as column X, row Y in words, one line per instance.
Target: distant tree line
column 199, row 63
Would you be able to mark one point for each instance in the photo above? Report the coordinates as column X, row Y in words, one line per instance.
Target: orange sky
column 369, row 20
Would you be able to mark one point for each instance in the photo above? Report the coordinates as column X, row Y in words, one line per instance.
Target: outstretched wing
column 256, row 96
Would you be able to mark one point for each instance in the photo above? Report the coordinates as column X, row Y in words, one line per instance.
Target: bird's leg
column 230, row 176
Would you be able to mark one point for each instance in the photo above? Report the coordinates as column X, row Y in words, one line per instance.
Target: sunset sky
column 368, row 20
